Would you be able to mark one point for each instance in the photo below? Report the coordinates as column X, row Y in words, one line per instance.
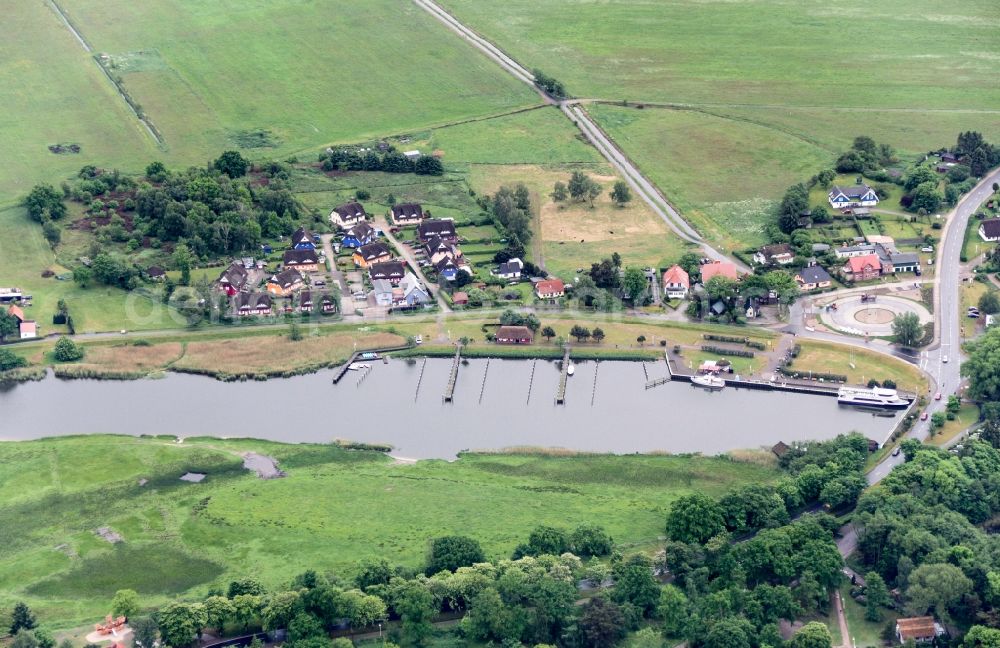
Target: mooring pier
column 531, row 380
column 561, row 394
column 420, row 380
column 449, row 391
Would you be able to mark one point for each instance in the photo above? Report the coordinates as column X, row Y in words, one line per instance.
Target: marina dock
column 561, row 392
column 449, row 390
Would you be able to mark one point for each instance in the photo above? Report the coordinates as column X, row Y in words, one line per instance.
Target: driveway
column 407, row 254
column 335, row 274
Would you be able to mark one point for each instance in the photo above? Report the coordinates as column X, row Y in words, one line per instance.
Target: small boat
column 358, row 366
column 570, row 370
column 708, row 381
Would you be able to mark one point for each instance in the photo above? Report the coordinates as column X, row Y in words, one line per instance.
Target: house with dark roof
column 550, row 289
column 778, row 254
column 449, row 268
column 233, row 279
column 948, row 156
column 328, row 304
column 989, row 230
column 156, row 273
column 305, row 301
column 813, row 277
column 302, row 239
column 441, row 228
column 285, row 282
column 510, row 269
column 676, row 282
column 347, row 215
column 302, row 260
column 391, row 271
column 407, row 213
column 904, row 261
column 248, row 304
column 854, row 196
column 358, row 235
column 368, row 255
column 513, row 335
column 438, row 248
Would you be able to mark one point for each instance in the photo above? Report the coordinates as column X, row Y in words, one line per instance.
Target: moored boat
column 874, row 397
column 708, row 381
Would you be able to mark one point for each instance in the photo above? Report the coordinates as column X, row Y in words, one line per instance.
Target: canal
column 607, row 409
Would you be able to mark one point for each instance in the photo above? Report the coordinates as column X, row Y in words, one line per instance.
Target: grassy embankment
column 763, row 113
column 334, row 508
column 827, row 357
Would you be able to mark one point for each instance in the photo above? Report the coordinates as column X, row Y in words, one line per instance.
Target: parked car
column 937, row 396
column 927, row 249
column 923, row 416
column 419, row 339
column 895, row 453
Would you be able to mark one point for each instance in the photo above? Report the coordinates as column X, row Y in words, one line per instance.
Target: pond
column 497, row 404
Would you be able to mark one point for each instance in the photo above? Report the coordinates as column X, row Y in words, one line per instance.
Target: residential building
column 391, row 271
column 779, row 254
column 328, row 304
column 510, row 269
column 904, row 261
column 358, row 235
column 846, row 252
column 382, row 290
column 919, row 629
column 305, row 301
column 676, row 282
column 441, row 228
column 302, row 239
column 438, row 248
column 989, row 230
column 854, row 196
column 550, row 289
column 413, row 292
column 460, row 298
column 513, row 335
column 27, row 329
column 950, row 157
column 302, row 260
column 233, row 279
column 347, row 215
column 156, row 273
column 813, row 277
column 368, row 255
column 407, row 213
column 863, row 268
column 285, row 282
column 248, row 304
column 718, row 269
column 449, row 267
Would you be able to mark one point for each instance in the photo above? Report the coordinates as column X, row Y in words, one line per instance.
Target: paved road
column 407, row 254
column 639, row 183
column 335, row 274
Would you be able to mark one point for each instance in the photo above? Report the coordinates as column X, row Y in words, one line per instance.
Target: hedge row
column 753, row 344
column 739, row 353
column 784, row 371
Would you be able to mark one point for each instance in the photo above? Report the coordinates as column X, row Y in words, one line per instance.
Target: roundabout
column 869, row 314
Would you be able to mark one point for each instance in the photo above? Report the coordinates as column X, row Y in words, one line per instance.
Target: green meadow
column 334, row 508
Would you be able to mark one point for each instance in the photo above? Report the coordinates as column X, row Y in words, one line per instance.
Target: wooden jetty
column 344, row 368
column 561, row 394
column 449, row 391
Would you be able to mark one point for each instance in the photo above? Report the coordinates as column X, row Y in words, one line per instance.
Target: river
column 619, row 415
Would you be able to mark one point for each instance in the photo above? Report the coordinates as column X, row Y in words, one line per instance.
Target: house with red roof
column 550, row 289
column 676, row 282
column 27, row 328
column 718, row 269
column 863, row 268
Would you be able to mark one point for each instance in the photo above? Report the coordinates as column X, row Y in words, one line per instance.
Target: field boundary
column 132, row 106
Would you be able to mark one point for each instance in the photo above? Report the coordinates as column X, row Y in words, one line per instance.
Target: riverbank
column 180, row 539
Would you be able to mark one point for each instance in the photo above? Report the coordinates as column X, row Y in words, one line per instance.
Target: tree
column 22, row 618
column 183, row 259
column 579, row 332
column 812, row 635
column 451, row 552
column 490, row 620
column 673, row 610
column 82, row 276
column 730, row 632
column 549, row 84
column 559, row 192
column 621, row 193
column 415, row 606
column 144, row 632
column 906, row 329
column 548, row 333
column 983, row 366
column 10, row 361
column 428, row 165
column 177, row 624
column 156, row 171
column 634, row 584
column 979, row 162
column 245, row 586
column 938, row 586
column 876, row 596
column 597, row 334
column 602, row 623
column 66, row 350
column 373, row 571
column 989, row 303
column 548, row 540
column 694, row 519
column 25, row 639
column 246, row 608
column 8, row 325
column 51, row 232
column 634, row 283
column 232, row 164
column 982, row 637
column 125, row 603
column 44, row 202
column 641, row 340
column 280, row 609
column 579, row 183
column 919, row 176
column 794, row 202
column 593, row 190
column 590, row 540
column 219, row 609
column 927, row 196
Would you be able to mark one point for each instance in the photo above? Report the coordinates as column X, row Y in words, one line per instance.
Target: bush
column 66, row 350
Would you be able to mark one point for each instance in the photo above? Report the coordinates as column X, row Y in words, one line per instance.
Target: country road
column 650, row 194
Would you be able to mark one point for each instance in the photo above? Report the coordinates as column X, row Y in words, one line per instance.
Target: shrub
column 66, row 350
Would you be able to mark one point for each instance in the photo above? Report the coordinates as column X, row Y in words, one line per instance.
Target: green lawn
column 723, row 174
column 334, row 508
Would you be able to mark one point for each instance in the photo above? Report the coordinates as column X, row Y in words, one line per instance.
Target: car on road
column 937, row 396
column 923, row 417
column 895, row 453
column 944, row 359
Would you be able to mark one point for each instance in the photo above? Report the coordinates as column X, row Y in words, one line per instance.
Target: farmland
column 56, row 492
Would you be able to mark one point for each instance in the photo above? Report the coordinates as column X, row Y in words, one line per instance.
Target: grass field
column 828, row 357
column 723, row 174
column 334, row 508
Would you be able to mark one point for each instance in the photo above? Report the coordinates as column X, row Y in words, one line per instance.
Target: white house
column 676, row 282
column 780, row 254
column 510, row 269
column 989, row 230
column 854, row 196
column 347, row 215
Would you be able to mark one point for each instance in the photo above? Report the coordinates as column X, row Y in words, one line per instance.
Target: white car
column 419, row 339
column 944, row 358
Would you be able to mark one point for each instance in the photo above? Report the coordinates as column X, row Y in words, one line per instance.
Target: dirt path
column 845, row 632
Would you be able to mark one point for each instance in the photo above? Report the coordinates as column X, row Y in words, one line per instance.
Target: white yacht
column 570, row 370
column 708, row 381
column 871, row 397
